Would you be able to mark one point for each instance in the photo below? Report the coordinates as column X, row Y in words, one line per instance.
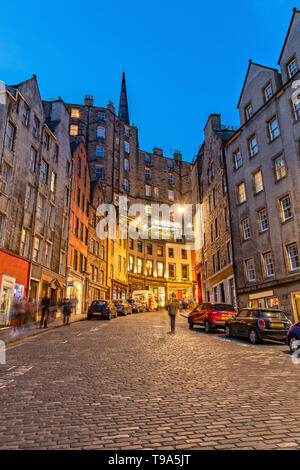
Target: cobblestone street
column 127, row 384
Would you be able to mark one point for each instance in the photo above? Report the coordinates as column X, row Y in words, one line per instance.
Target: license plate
column 277, row 325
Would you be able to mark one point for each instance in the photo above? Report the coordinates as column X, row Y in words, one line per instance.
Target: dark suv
column 257, row 324
column 102, row 309
column 211, row 315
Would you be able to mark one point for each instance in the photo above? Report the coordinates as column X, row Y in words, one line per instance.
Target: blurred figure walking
column 67, row 308
column 45, row 303
column 29, row 312
column 172, row 308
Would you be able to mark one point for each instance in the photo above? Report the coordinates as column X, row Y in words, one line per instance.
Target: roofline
column 288, row 33
column 249, row 66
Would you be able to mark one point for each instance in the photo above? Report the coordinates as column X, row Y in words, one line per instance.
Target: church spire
column 123, row 106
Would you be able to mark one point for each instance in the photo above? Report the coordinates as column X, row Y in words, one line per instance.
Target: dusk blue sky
column 183, row 59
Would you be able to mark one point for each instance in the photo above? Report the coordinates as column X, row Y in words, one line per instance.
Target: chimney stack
column 88, row 100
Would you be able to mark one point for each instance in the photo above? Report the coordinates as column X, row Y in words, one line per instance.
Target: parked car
column 122, row 306
column 136, row 306
column 293, row 336
column 211, row 315
column 102, row 309
column 257, row 324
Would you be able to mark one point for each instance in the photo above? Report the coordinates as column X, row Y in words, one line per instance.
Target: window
column 36, row 127
column 29, row 198
column 268, row 92
column 214, row 263
column 248, row 111
column 10, row 136
column 293, row 256
column 100, row 172
column 140, row 246
column 263, row 223
column 76, row 227
column 32, row 159
column 285, row 208
column 112, row 247
column 160, row 251
column 126, row 185
column 147, row 158
column 258, row 182
column 36, row 252
column 170, row 178
column 250, row 270
column 85, row 177
column 219, row 262
column 224, row 184
column 48, row 253
column 78, row 197
column 237, row 159
column 131, row 263
column 170, row 164
column 171, row 252
column 100, row 132
column 46, row 140
column 241, row 193
column 126, row 164
column 229, row 252
column 53, row 182
column 209, row 203
column 292, row 68
column 245, row 229
column 274, row 131
column 184, row 254
column 171, row 195
column 160, row 269
column 55, row 154
column 184, row 271
column 268, row 264
column 100, row 151
column 226, row 217
column 147, row 173
column 101, row 116
column 148, row 210
column 148, row 190
column 51, row 216
column 149, row 267
column 149, row 249
column 25, row 115
column 126, row 147
column 75, row 260
column 210, row 172
column 126, row 131
column 139, row 266
column 25, row 239
column 75, row 113
column 6, row 172
column 252, row 145
column 216, row 228
column 296, row 107
column 280, row 168
column 214, row 197
column 111, row 271
column 172, row 270
column 41, row 207
column 211, row 232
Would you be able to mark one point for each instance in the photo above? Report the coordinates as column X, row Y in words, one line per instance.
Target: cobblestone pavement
column 127, row 384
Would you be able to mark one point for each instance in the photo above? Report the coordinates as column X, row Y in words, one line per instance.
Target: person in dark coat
column 173, row 307
column 45, row 304
column 67, row 308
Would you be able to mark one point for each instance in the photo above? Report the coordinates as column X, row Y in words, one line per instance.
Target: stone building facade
column 263, row 164
column 216, row 252
column 125, row 170
column 77, row 278
column 35, row 186
column 97, row 249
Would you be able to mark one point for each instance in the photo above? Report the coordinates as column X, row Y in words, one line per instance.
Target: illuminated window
column 75, row 113
column 280, row 168
column 73, row 129
column 241, row 193
column 258, row 182
column 171, row 195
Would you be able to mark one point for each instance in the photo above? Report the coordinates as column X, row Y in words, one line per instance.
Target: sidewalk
column 11, row 335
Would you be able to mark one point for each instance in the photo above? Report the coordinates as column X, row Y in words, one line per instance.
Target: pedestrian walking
column 29, row 312
column 67, row 312
column 45, row 303
column 172, row 308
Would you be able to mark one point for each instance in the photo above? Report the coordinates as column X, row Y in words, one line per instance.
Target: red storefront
column 14, row 282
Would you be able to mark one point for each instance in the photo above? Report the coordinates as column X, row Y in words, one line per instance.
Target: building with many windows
column 263, row 167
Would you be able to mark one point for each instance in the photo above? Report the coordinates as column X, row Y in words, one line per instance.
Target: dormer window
column 292, row 68
column 249, row 111
column 268, row 92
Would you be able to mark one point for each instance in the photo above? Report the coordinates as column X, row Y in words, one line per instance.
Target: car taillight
column 261, row 324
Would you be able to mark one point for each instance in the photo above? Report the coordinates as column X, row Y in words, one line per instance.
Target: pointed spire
column 123, row 106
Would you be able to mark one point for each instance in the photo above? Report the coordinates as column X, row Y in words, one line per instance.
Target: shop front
column 76, row 294
column 14, row 283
